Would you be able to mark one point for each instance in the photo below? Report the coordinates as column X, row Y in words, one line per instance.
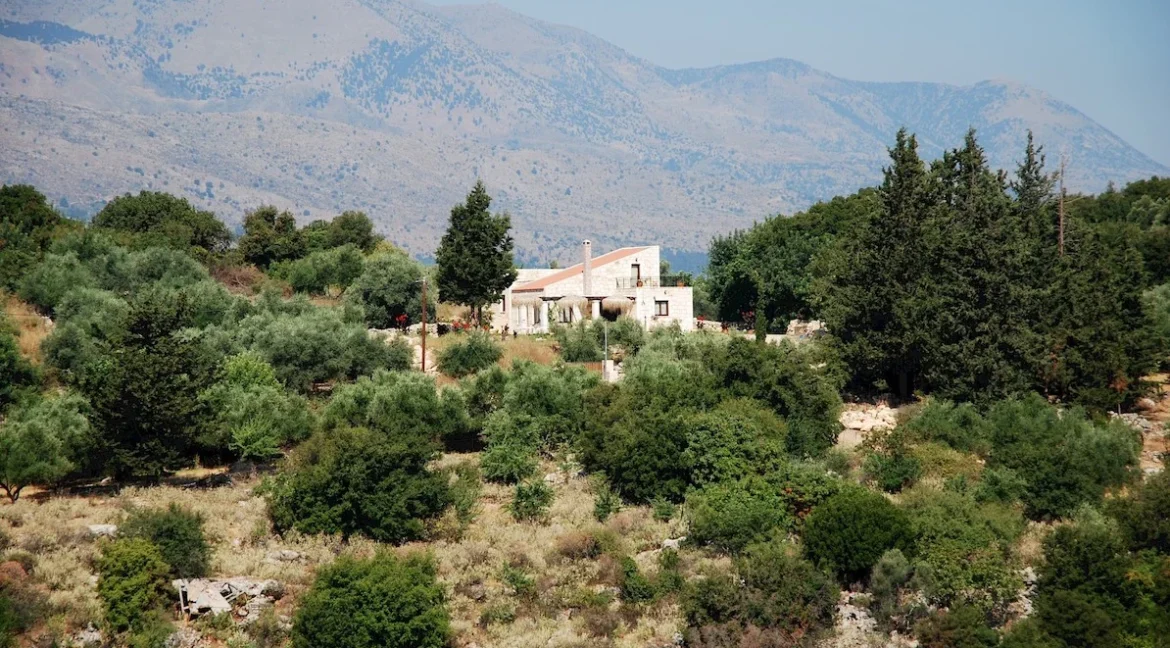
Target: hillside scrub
column 353, row 481
column 381, row 602
column 178, row 534
column 774, row 597
column 476, row 352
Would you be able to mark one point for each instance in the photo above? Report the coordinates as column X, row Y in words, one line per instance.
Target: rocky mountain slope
column 396, row 107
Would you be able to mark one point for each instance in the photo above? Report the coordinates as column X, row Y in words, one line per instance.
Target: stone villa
column 626, row 281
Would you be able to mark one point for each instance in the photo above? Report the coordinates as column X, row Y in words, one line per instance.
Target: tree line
column 953, row 279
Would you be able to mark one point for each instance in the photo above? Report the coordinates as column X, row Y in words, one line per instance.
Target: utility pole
column 1061, row 207
column 424, row 323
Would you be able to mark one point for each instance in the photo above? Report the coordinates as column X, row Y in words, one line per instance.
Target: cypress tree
column 475, row 255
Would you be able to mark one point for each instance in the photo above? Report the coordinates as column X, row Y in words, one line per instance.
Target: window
column 662, row 309
column 635, row 273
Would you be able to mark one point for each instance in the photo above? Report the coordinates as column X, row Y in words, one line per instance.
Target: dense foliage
column 43, row 441
column 356, row 481
column 178, row 534
column 851, row 530
column 954, row 280
column 131, row 582
column 381, row 602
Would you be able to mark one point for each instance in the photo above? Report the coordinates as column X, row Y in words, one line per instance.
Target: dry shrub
column 240, row 279
column 609, row 571
column 578, row 545
column 532, row 349
column 600, row 621
column 31, row 328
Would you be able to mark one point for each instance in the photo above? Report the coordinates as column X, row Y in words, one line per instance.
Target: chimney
column 588, row 249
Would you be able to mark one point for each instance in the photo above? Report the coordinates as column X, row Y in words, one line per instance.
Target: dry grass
column 532, row 348
column 470, row 563
column 31, row 327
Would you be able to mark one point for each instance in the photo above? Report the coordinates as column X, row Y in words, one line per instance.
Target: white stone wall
column 681, row 303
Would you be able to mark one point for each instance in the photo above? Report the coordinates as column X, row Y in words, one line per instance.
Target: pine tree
column 475, row 255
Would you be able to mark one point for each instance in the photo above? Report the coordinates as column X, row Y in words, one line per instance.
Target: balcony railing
column 665, row 281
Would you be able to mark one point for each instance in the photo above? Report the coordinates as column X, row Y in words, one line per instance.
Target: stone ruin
column 244, row 597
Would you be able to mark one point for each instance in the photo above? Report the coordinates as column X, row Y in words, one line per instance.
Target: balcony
column 665, row 281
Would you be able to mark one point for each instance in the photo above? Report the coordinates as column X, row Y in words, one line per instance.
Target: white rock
column 103, row 530
column 284, row 555
column 88, row 638
column 673, row 543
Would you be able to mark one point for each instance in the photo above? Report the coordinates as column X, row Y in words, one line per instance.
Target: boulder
column 284, row 555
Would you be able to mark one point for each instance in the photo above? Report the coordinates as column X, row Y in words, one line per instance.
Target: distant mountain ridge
column 396, row 107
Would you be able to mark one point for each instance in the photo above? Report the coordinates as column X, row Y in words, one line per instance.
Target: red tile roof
column 608, row 257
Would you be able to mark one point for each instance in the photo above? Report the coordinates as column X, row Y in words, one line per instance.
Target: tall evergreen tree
column 965, row 294
column 475, row 255
column 867, row 284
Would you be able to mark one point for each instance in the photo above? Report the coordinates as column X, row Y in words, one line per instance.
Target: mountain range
column 396, row 107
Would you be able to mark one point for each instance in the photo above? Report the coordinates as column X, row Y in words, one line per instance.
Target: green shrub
column 306, row 345
column 663, row 509
column 851, row 530
column 42, row 441
column 249, row 411
column 132, row 582
column 959, row 426
column 736, row 439
column 605, row 502
column 321, row 270
column 470, row 355
column 512, row 446
column 774, row 597
column 1066, row 459
column 786, row 378
column 960, row 627
column 17, row 375
column 730, row 516
column 389, row 291
column 522, row 584
column 356, row 481
column 893, row 472
column 578, row 343
column 892, row 578
column 1000, row 485
column 637, row 446
column 465, row 490
column 634, row 586
column 382, row 602
column 669, row 579
column 397, row 404
column 178, row 533
column 1144, row 516
column 553, row 397
column 47, row 283
column 531, row 501
column 967, row 548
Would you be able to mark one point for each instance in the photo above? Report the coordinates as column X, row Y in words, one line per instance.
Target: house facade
column 626, row 281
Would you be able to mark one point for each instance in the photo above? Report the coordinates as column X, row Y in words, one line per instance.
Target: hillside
column 395, row 107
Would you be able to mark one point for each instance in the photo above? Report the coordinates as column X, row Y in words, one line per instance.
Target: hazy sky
column 1109, row 59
